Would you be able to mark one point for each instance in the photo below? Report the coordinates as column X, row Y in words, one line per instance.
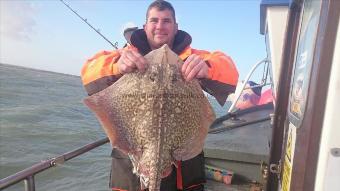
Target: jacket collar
column 139, row 40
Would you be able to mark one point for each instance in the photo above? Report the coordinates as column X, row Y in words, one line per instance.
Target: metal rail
column 232, row 107
column 28, row 174
column 230, row 127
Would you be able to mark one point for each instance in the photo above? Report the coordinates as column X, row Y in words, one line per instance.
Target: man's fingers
column 135, row 60
column 194, row 72
column 199, row 71
column 140, row 61
column 203, row 72
column 187, row 62
column 130, row 59
column 138, row 56
column 129, row 63
column 195, row 61
column 125, row 65
column 125, row 69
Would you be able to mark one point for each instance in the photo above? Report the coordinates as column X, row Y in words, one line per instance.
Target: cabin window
column 303, row 60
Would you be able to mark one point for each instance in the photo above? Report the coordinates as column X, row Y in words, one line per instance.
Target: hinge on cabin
column 275, row 168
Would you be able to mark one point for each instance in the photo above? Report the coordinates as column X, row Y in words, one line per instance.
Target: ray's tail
column 149, row 171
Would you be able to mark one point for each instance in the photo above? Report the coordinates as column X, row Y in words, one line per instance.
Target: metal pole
column 29, row 183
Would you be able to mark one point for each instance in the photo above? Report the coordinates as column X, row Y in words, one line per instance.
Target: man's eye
column 153, row 21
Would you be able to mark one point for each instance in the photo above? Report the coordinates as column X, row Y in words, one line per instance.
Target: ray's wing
column 115, row 108
column 193, row 146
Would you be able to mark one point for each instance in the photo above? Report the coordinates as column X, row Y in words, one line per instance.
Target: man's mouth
column 160, row 35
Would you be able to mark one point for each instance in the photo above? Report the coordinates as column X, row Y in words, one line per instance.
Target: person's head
column 128, row 32
column 160, row 26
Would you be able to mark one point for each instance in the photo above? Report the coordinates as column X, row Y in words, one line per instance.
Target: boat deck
column 240, row 144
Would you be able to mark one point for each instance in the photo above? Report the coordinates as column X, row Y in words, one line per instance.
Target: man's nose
column 160, row 25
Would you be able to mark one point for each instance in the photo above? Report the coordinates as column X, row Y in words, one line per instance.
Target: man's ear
column 144, row 26
column 176, row 28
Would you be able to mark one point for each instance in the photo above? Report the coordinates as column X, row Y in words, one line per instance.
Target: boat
column 302, row 152
column 288, row 144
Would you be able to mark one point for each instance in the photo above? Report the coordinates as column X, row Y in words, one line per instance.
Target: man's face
column 160, row 28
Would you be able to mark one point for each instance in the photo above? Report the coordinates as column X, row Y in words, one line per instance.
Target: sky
column 44, row 34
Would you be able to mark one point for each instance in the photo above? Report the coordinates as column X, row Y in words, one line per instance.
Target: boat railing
column 265, row 61
column 28, row 174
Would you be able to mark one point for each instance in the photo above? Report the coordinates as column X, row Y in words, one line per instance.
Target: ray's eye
column 174, row 79
column 152, row 77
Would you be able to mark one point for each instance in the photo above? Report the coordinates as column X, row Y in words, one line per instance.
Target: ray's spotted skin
column 154, row 116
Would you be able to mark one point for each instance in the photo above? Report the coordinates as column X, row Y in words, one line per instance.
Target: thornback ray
column 155, row 117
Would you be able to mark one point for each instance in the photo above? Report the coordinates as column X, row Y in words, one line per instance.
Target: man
column 216, row 72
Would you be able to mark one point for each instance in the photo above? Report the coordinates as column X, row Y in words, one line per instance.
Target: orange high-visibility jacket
column 101, row 70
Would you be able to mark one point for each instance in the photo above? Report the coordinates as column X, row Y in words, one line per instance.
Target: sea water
column 42, row 116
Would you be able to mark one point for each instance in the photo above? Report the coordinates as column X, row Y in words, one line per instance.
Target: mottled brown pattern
column 155, row 117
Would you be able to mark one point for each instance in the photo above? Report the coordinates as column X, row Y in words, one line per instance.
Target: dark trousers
column 122, row 178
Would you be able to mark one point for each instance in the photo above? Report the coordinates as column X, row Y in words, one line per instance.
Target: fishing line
column 115, row 45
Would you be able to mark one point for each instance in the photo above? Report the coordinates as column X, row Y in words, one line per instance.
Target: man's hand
column 194, row 67
column 130, row 60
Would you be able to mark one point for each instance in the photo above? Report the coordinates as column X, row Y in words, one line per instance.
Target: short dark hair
column 161, row 5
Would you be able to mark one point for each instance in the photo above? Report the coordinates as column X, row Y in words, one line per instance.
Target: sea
column 42, row 116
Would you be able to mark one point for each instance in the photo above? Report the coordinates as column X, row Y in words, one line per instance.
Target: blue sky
column 46, row 35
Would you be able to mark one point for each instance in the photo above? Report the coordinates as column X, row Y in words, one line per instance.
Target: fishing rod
column 115, row 45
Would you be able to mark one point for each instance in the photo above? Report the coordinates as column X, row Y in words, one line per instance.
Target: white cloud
column 17, row 19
